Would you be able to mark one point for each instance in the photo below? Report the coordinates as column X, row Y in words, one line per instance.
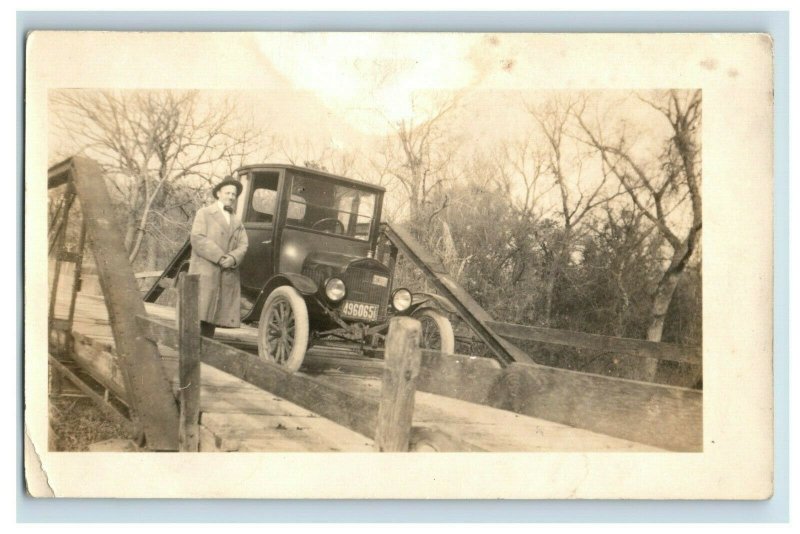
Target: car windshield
column 327, row 206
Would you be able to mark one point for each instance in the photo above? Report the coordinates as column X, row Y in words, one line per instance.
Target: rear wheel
column 283, row 328
column 437, row 332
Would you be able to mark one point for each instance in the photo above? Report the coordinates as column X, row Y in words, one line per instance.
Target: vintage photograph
column 382, row 243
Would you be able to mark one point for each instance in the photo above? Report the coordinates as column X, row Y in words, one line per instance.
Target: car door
column 259, row 221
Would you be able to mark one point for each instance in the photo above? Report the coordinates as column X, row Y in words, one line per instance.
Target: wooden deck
column 236, row 416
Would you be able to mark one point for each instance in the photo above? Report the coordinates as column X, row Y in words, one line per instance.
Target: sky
column 370, row 81
column 346, row 91
column 343, row 89
column 339, row 89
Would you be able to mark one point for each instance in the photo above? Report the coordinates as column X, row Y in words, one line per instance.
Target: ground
column 78, row 422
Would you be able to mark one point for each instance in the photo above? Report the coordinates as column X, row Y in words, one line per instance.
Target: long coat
column 212, row 237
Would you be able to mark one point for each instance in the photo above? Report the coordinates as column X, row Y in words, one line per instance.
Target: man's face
column 227, row 195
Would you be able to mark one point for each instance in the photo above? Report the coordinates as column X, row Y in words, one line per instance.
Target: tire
column 285, row 343
column 437, row 332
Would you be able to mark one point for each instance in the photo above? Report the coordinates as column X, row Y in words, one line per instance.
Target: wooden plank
column 468, row 378
column 481, row 427
column 60, row 324
column 224, row 393
column 433, row 439
column 505, row 431
column 59, row 174
column 282, row 433
column 89, row 392
column 76, row 280
column 636, row 347
column 339, row 405
column 401, row 368
column 149, row 391
column 318, row 361
column 189, row 363
column 71, row 257
column 99, row 363
column 148, row 274
column 59, row 243
column 351, row 410
column 247, row 401
column 663, row 416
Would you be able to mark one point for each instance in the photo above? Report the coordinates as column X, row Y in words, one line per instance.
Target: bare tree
column 660, row 189
column 518, row 172
column 306, row 153
column 564, row 165
column 159, row 149
column 419, row 157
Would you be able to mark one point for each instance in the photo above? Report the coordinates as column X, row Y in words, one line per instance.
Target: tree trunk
column 140, row 229
column 658, row 311
column 619, row 329
column 549, row 290
column 130, row 229
column 661, row 302
column 137, row 243
column 552, row 277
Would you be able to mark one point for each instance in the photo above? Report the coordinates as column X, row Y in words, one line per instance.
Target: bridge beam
column 149, row 392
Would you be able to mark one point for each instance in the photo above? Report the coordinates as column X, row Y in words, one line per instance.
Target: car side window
column 264, row 198
column 297, row 208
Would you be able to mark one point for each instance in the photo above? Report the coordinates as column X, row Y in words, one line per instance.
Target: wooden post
column 402, row 360
column 149, row 392
column 60, row 239
column 189, row 363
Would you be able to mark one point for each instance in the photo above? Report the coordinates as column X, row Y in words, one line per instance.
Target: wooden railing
column 633, row 347
column 654, row 414
column 386, row 420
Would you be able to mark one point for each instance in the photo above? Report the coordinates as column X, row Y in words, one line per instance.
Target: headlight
column 335, row 290
column 401, row 299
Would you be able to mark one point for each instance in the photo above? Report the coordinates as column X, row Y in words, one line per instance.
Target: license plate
column 360, row 310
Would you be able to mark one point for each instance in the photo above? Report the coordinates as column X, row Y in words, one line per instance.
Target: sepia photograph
column 425, row 244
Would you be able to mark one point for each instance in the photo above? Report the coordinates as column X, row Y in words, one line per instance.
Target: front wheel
column 283, row 328
column 437, row 332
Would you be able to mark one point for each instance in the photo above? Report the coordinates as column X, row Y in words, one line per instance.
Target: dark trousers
column 207, row 329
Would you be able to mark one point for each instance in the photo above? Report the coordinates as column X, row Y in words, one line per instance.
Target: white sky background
column 345, row 86
column 369, row 80
column 345, row 91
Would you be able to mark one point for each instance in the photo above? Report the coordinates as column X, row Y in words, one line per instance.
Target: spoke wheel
column 437, row 332
column 283, row 329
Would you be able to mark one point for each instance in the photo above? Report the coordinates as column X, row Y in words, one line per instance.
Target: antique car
column 311, row 274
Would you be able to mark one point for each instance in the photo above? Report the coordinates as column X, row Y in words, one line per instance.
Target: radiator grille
column 358, row 282
column 358, row 279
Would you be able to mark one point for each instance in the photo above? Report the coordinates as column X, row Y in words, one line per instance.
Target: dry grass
column 78, row 422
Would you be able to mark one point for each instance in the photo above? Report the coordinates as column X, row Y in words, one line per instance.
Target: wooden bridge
column 176, row 390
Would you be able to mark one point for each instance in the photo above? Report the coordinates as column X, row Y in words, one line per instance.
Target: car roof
column 315, row 172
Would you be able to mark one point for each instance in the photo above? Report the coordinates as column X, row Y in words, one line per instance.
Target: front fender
column 303, row 284
column 430, row 300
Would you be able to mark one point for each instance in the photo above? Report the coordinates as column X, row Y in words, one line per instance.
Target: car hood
column 335, row 261
column 319, row 266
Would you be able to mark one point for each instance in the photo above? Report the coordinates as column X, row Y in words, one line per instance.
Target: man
column 219, row 243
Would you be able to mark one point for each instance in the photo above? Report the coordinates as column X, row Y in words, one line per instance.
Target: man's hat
column 228, row 180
